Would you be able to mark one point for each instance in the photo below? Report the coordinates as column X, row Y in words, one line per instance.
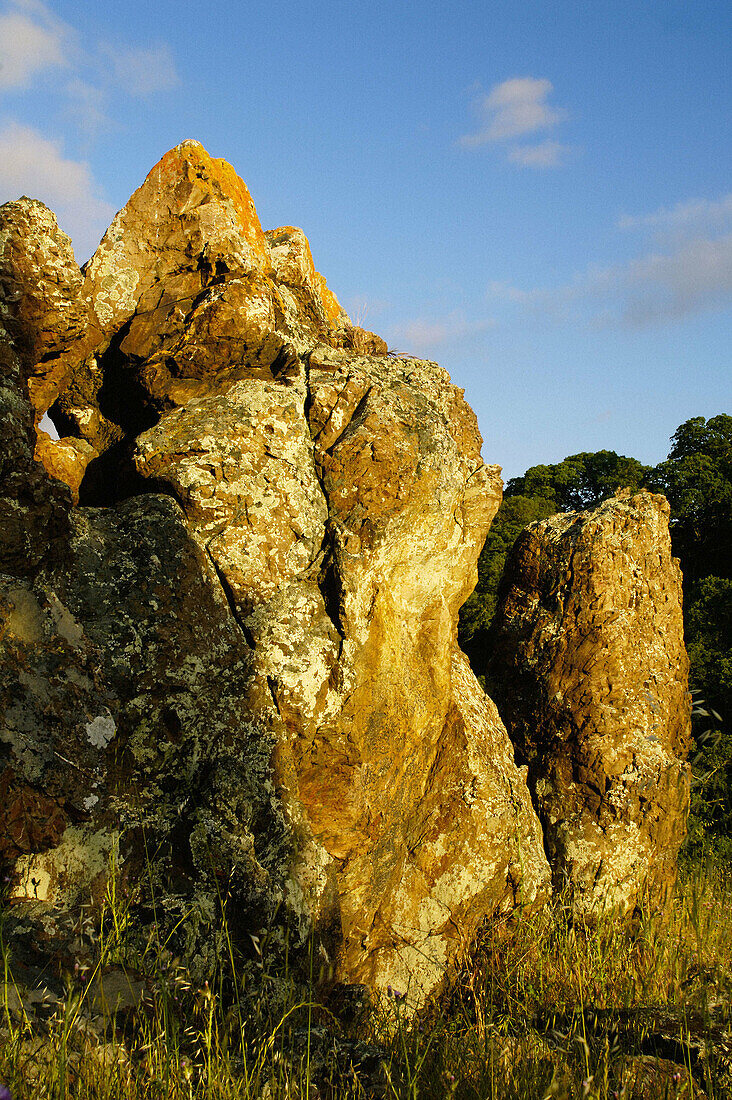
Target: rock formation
column 230, row 675
column 589, row 670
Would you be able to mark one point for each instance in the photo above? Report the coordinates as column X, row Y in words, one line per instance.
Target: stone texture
column 342, row 505
column 49, row 328
column 589, row 670
column 135, row 738
column 240, row 674
column 41, row 306
column 33, row 508
column 189, row 295
column 65, row 459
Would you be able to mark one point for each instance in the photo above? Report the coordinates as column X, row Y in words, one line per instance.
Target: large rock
column 589, row 670
column 41, row 302
column 189, row 294
column 259, row 668
column 342, row 506
column 136, row 742
column 34, row 508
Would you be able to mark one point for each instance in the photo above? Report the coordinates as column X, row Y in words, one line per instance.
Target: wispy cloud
column 80, row 78
column 87, row 107
column 692, row 277
column 31, row 41
column 695, row 278
column 547, row 154
column 514, row 109
column 423, row 334
column 142, row 72
column 364, row 310
column 689, row 215
column 33, row 165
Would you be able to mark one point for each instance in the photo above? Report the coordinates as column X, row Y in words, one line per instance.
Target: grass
column 543, row 1008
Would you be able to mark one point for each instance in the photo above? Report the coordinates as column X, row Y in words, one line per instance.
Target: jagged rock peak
column 189, row 206
column 185, row 294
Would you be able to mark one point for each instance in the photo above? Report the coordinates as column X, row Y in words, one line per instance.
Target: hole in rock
column 113, row 477
column 122, row 397
column 62, row 422
column 47, row 425
column 124, row 401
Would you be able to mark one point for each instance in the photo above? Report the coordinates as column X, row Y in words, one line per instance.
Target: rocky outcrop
column 238, row 668
column 33, row 507
column 589, row 670
column 42, row 307
column 127, row 701
column 189, row 295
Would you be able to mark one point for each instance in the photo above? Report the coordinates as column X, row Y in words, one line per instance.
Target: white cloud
column 31, row 40
column 512, row 109
column 144, row 71
column 654, row 288
column 506, row 292
column 33, row 165
column 697, row 277
column 547, row 154
column 684, row 216
column 423, row 334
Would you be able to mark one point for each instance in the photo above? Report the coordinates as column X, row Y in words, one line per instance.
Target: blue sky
column 538, row 195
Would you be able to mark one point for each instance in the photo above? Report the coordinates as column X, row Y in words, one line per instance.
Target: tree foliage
column 697, row 479
column 515, row 513
column 580, row 481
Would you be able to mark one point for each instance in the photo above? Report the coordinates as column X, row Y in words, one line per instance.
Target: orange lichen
column 189, row 160
column 300, row 269
column 331, row 305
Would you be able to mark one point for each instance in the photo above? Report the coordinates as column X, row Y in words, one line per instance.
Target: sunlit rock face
column 239, row 666
column 590, row 673
column 41, row 302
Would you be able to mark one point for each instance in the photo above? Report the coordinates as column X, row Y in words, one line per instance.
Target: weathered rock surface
column 127, row 701
column 33, row 507
column 258, row 668
column 589, row 670
column 188, row 295
column 233, row 666
column 41, row 304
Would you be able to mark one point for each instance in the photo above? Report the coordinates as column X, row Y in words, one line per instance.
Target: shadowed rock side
column 258, row 668
column 589, row 670
column 127, row 696
column 33, row 507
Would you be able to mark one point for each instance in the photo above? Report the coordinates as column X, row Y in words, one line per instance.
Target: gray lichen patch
column 101, row 730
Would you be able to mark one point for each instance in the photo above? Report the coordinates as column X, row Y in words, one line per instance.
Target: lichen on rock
column 589, row 669
column 230, row 672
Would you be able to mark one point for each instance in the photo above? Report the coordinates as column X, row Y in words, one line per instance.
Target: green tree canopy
column 580, row 481
column 697, row 479
column 515, row 513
